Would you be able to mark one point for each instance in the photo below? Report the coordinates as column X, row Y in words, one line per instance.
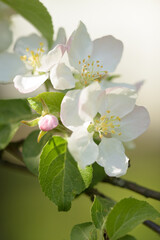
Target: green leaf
column 126, row 215
column 36, row 13
column 100, row 210
column 52, row 100
column 84, row 231
column 32, row 150
column 7, row 132
column 11, row 113
column 127, row 237
column 59, row 176
column 14, row 110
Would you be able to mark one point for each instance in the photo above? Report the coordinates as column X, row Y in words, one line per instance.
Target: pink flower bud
column 48, row 122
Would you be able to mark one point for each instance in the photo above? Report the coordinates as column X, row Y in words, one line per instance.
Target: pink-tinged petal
column 61, row 37
column 69, row 110
column 138, row 85
column 108, row 50
column 32, row 42
column 82, row 147
column 120, row 101
column 48, row 122
column 80, row 46
column 61, row 77
column 52, row 58
column 112, row 157
column 27, row 84
column 6, row 35
column 90, row 101
column 134, row 124
column 10, row 66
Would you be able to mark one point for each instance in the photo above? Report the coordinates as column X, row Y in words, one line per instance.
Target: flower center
column 33, row 58
column 105, row 125
column 91, row 71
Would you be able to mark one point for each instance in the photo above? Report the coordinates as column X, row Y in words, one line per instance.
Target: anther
column 83, row 60
column 79, row 62
column 118, row 118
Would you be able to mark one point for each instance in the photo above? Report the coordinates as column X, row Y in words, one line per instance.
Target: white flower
column 37, row 62
column 112, row 115
column 92, row 59
column 30, row 65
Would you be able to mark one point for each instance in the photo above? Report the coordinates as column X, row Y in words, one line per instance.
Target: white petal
column 112, row 157
column 10, row 66
column 61, row 77
column 90, row 101
column 108, row 50
column 80, row 46
column 5, row 35
column 52, row 58
column 32, row 42
column 120, row 101
column 26, row 84
column 107, row 84
column 134, row 124
column 82, row 147
column 69, row 110
column 61, row 37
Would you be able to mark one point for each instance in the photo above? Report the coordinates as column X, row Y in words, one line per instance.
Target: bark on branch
column 148, row 193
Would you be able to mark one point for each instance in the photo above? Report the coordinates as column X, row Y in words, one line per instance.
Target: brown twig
column 133, row 187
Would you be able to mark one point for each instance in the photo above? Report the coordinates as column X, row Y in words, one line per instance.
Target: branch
column 91, row 192
column 133, row 187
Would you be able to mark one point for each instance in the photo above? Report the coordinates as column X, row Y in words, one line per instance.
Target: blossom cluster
column 100, row 115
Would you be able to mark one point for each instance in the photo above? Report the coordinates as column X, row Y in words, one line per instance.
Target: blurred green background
column 27, row 214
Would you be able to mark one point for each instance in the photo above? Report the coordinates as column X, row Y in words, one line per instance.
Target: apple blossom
column 92, row 60
column 48, row 122
column 112, row 116
column 37, row 63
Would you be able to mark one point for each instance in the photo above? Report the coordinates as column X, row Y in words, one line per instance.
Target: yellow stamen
column 118, row 118
column 23, row 58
